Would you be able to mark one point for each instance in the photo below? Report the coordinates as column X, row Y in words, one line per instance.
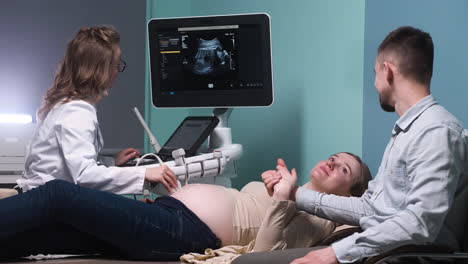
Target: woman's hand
column 125, row 155
column 274, row 183
column 270, row 179
column 280, row 162
column 163, row 175
column 284, row 189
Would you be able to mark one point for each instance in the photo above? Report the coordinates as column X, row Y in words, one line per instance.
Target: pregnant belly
column 213, row 204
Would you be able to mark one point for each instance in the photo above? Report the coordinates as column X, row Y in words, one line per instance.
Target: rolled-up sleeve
column 344, row 210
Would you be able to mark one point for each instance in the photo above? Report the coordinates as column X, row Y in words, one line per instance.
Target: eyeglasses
column 121, row 66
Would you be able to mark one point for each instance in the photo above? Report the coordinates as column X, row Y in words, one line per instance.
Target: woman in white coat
column 68, row 139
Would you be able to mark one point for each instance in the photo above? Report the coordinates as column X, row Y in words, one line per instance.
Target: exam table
column 287, row 256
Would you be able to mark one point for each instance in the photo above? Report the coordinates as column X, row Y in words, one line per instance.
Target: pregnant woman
column 62, row 218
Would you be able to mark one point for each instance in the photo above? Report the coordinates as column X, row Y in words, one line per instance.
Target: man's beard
column 385, row 106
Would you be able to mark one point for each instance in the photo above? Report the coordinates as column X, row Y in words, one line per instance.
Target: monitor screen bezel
column 229, row 98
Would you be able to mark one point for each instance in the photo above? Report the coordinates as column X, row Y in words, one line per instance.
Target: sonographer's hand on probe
column 270, row 179
column 125, row 155
column 164, row 175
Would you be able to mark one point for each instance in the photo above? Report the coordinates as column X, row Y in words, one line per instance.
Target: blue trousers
column 63, row 218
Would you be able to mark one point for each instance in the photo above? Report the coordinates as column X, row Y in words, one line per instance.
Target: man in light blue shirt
column 419, row 192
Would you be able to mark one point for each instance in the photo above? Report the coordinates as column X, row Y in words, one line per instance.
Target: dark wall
column 33, row 36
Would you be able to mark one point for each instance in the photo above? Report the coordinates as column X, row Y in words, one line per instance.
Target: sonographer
column 68, row 139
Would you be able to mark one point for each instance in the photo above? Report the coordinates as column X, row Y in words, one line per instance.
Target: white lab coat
column 66, row 146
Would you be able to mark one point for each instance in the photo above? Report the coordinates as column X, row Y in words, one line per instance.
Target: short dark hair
column 414, row 52
column 359, row 187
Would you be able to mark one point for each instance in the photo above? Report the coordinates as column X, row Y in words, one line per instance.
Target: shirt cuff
column 140, row 179
column 307, row 199
column 346, row 250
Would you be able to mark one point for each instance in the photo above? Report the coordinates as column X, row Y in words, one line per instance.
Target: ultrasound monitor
column 212, row 61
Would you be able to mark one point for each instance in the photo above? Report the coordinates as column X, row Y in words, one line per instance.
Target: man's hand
column 321, row 256
column 125, row 155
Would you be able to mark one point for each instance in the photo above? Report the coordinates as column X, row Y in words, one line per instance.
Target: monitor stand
column 221, row 138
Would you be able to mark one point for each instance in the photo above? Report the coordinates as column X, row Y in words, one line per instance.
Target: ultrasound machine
column 221, row 62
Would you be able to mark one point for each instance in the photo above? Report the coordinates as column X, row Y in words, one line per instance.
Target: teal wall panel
column 446, row 22
column 318, row 78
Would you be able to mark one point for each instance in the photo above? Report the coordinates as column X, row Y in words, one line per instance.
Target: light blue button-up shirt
column 418, row 194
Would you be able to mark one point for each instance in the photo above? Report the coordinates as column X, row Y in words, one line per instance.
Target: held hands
column 280, row 184
column 321, row 256
column 125, row 155
column 163, row 175
column 284, row 189
column 270, row 179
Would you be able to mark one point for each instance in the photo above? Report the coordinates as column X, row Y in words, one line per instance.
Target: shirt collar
column 412, row 114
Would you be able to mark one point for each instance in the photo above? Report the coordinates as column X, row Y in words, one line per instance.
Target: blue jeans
column 63, row 218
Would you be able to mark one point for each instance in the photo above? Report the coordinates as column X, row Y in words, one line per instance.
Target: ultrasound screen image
column 211, row 61
column 209, row 54
column 207, row 59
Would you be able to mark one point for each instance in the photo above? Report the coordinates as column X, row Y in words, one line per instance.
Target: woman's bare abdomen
column 213, row 204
